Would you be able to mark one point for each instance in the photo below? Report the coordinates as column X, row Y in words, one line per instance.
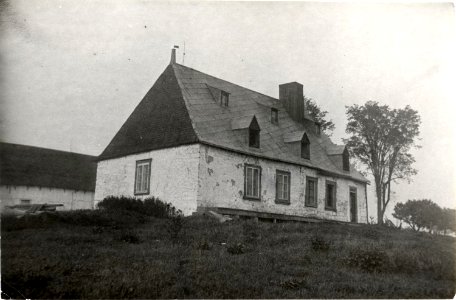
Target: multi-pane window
column 142, row 177
column 330, row 202
column 274, row 116
column 224, row 98
column 311, row 192
column 254, row 138
column 282, row 187
column 252, row 185
column 305, row 147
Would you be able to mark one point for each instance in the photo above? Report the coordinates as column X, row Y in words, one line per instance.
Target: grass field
column 50, row 256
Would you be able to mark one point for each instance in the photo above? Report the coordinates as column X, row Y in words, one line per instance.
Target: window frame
column 274, row 116
column 25, row 201
column 252, row 197
column 227, row 97
column 147, row 162
column 334, row 204
column 306, row 201
column 278, row 199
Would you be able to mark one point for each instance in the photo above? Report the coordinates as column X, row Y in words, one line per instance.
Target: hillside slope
column 50, row 257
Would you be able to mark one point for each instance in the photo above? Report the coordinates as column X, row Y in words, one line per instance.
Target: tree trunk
column 378, row 190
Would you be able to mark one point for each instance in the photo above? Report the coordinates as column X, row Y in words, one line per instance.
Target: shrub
column 129, row 237
column 319, row 244
column 237, row 248
column 368, row 260
column 204, row 244
column 152, row 207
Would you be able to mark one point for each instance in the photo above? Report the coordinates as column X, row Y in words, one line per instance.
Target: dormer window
column 317, row 129
column 305, row 147
column 254, row 138
column 274, row 116
column 299, row 143
column 224, row 98
column 219, row 95
column 248, row 130
column 346, row 160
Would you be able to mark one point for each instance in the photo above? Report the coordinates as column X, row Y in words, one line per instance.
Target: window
column 142, row 177
column 224, row 98
column 254, row 138
column 282, row 187
column 274, row 116
column 26, row 201
column 330, row 195
column 252, row 182
column 311, row 192
column 305, row 147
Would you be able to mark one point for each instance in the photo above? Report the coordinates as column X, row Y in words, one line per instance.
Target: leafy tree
column 381, row 139
column 418, row 214
column 447, row 220
column 327, row 126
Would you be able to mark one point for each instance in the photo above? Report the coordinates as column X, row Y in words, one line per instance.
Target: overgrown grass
column 197, row 257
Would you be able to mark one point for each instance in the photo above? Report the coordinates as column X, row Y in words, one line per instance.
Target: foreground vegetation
column 126, row 254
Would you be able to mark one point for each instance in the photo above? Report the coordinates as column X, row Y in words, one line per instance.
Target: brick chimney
column 291, row 95
column 173, row 56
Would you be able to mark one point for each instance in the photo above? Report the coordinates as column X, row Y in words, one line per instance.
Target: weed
column 237, row 248
column 174, row 227
column 130, row 237
column 368, row 260
column 204, row 244
column 320, row 244
column 251, row 231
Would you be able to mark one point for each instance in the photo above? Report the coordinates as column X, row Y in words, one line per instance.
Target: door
column 353, row 205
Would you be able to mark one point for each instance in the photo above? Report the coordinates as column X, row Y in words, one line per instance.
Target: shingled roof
column 181, row 109
column 22, row 165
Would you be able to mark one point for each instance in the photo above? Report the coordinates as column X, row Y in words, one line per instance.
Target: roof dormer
column 299, row 142
column 220, row 96
column 339, row 156
column 248, row 130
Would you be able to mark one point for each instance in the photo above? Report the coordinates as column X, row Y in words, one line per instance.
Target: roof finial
column 173, row 54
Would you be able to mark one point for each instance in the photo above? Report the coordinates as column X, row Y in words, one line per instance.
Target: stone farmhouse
column 202, row 143
column 32, row 175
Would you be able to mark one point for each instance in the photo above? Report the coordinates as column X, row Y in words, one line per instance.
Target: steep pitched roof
column 33, row 166
column 212, row 122
column 159, row 121
column 181, row 110
column 296, row 136
column 335, row 150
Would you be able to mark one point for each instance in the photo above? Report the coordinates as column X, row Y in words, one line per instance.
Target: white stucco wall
column 221, row 184
column 71, row 199
column 174, row 176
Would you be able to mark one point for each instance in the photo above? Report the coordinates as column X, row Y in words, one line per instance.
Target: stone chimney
column 291, row 95
column 173, row 56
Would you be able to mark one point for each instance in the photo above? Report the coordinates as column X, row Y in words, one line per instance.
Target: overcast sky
column 73, row 71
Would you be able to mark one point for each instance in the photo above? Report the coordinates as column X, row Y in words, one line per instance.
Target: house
column 32, row 175
column 203, row 143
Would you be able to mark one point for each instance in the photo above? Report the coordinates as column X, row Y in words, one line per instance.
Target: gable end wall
column 174, row 174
